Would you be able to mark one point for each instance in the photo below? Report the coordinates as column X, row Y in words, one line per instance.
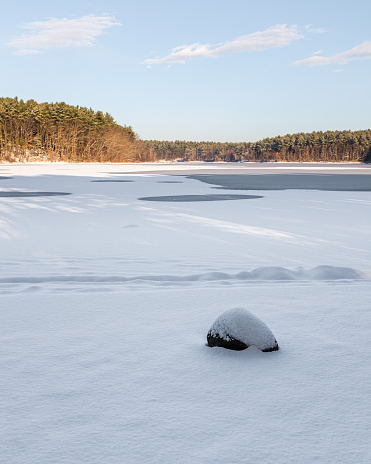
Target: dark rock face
column 228, row 342
column 237, row 329
column 232, row 343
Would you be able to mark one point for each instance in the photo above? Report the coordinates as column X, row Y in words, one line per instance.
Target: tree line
column 329, row 146
column 31, row 131
column 197, row 151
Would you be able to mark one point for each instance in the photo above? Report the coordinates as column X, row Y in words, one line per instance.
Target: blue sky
column 195, row 70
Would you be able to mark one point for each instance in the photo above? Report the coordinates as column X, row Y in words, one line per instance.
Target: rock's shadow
column 207, row 197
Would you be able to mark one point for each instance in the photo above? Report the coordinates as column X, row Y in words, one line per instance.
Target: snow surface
column 243, row 326
column 106, row 301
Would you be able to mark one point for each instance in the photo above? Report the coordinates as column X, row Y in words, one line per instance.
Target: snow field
column 128, row 377
column 106, row 300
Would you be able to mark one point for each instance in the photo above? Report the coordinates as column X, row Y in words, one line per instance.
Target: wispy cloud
column 318, row 52
column 277, row 36
column 316, row 30
column 58, row 33
column 360, row 52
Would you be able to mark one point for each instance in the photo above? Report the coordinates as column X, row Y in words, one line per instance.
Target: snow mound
column 333, row 273
column 52, row 281
column 237, row 329
column 273, row 273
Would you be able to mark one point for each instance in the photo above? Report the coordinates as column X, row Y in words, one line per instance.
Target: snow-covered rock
column 237, row 329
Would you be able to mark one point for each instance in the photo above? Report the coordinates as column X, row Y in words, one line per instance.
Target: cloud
column 360, row 52
column 316, row 30
column 275, row 37
column 58, row 33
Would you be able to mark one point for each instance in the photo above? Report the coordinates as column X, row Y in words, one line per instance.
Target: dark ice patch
column 112, row 180
column 31, row 194
column 207, row 197
column 326, row 182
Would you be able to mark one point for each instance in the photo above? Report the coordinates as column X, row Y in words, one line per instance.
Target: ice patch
column 200, row 197
column 112, row 180
column 18, row 194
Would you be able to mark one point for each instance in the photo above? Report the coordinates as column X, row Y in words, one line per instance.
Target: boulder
column 237, row 329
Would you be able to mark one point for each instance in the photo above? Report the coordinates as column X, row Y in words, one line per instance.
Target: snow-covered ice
column 106, row 300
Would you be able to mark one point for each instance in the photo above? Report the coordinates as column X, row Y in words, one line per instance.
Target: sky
column 212, row 70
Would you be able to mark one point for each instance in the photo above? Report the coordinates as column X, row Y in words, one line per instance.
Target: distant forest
column 329, row 146
column 31, row 131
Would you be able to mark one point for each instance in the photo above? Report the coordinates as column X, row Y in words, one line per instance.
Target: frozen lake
column 111, row 276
